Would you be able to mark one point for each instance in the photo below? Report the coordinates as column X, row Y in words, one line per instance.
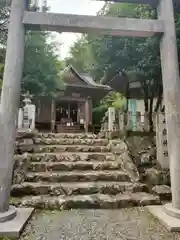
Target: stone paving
column 124, row 224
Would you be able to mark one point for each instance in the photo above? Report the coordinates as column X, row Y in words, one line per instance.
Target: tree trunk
column 150, row 113
column 159, row 98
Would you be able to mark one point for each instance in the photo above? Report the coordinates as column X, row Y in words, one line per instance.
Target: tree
column 113, row 99
column 138, row 57
column 41, row 64
column 4, row 16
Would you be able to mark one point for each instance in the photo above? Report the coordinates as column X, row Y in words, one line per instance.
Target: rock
column 128, row 166
column 163, row 191
column 118, row 146
column 29, row 134
column 157, row 177
column 77, row 176
column 73, row 165
column 64, row 148
column 71, row 141
column 152, row 152
column 95, row 201
column 114, row 134
column 68, row 189
column 145, row 159
column 139, row 144
column 145, row 199
column 20, row 168
column 102, row 134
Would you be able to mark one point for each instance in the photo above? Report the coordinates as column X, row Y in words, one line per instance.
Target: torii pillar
column 11, row 219
column 170, row 213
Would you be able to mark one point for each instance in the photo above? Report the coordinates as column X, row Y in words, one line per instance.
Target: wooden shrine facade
column 71, row 109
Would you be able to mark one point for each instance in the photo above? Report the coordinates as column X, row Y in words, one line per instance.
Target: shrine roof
column 82, row 79
column 82, row 84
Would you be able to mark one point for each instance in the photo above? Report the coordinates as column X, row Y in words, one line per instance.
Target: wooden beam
column 92, row 24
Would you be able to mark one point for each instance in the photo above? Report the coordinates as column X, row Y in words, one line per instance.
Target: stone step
column 70, row 166
column 68, row 135
column 56, row 189
column 66, row 156
column 77, row 176
column 71, row 141
column 62, row 148
column 95, row 201
column 163, row 191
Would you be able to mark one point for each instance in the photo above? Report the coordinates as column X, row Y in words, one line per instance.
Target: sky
column 83, row 7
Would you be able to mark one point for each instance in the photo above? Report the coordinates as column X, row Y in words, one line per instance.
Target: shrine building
column 71, row 109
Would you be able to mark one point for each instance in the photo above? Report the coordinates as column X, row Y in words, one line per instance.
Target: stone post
column 32, row 116
column 86, row 115
column 171, row 85
column 53, row 115
column 10, row 98
column 121, row 120
column 20, row 118
column 111, row 118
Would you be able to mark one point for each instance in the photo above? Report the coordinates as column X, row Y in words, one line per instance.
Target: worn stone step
column 71, row 141
column 66, row 156
column 62, row 148
column 56, row 189
column 68, row 135
column 77, row 176
column 69, row 166
column 95, row 201
column 163, row 191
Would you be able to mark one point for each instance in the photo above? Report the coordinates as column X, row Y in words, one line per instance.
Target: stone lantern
column 29, row 112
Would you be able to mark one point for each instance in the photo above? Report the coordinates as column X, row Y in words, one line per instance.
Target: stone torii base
column 14, row 227
column 165, row 215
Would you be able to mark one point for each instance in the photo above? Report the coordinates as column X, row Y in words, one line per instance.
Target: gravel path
column 124, row 224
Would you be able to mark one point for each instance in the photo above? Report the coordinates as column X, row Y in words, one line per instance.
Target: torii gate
column 21, row 19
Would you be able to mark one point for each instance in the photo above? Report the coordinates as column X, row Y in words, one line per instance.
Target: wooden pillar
column 53, row 115
column 69, row 110
column 86, row 115
column 78, row 113
column 38, row 110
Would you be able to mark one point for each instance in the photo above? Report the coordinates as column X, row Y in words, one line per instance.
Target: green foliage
column 4, row 15
column 104, row 56
column 113, row 99
column 41, row 64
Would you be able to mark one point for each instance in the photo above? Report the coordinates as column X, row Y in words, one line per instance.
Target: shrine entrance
column 66, row 113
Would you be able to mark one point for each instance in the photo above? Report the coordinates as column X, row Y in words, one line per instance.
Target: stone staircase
column 65, row 171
